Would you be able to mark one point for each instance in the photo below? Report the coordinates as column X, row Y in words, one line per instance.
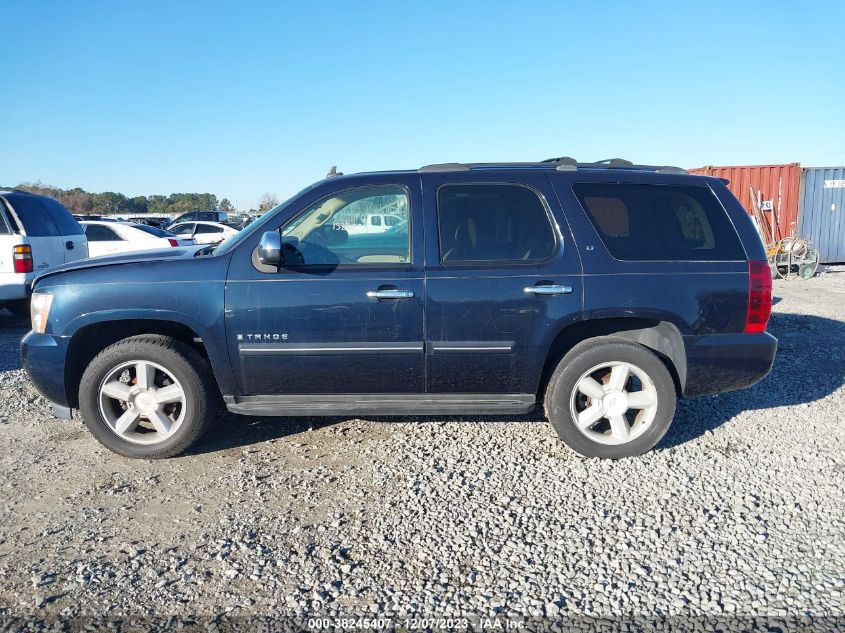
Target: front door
column 344, row 315
column 502, row 277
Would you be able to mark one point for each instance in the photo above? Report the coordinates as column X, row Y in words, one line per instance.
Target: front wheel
column 610, row 398
column 147, row 396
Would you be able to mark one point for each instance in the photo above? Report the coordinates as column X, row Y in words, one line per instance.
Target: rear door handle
column 552, row 289
column 390, row 294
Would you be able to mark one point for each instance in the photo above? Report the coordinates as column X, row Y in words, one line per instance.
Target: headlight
column 39, row 307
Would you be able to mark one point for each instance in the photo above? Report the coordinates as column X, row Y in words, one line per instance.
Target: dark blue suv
column 599, row 291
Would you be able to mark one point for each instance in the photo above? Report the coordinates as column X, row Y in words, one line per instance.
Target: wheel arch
column 92, row 338
column 661, row 337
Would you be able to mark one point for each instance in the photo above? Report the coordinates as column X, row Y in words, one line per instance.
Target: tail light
column 22, row 256
column 173, row 242
column 759, row 297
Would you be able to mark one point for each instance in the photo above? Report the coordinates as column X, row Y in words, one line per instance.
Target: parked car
column 108, row 238
column 36, row 234
column 240, row 220
column 203, row 216
column 203, row 232
column 600, row 292
column 150, row 220
column 98, row 218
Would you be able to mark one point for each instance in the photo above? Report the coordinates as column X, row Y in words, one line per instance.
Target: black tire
column 19, row 308
column 592, row 353
column 189, row 368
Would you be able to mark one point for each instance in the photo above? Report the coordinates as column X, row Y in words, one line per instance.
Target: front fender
column 214, row 344
column 84, row 299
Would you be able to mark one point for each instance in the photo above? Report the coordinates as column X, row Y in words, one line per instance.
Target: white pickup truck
column 373, row 223
column 36, row 234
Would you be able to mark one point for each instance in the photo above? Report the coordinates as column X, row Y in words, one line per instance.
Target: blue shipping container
column 821, row 207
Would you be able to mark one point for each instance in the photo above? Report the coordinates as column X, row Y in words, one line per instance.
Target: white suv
column 36, row 234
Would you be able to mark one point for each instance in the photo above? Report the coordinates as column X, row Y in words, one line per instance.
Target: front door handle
column 551, row 289
column 390, row 294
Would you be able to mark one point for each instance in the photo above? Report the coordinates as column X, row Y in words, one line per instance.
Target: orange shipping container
column 775, row 184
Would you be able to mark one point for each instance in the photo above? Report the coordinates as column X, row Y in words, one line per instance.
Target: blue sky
column 239, row 98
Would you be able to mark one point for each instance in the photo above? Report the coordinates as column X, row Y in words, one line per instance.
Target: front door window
column 336, row 231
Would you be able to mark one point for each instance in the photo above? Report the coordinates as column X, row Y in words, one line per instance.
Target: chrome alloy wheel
column 142, row 402
column 613, row 403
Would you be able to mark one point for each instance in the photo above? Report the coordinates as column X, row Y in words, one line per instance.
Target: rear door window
column 493, row 223
column 183, row 229
column 100, row 233
column 62, row 218
column 660, row 222
column 208, row 228
column 34, row 217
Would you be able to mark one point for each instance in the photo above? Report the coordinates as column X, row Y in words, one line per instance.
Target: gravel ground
column 737, row 514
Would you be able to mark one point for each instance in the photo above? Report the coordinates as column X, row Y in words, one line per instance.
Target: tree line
column 81, row 202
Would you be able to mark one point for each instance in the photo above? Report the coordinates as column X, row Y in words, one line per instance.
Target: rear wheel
column 147, row 396
column 610, row 398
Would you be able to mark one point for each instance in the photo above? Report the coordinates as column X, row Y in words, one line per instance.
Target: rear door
column 500, row 277
column 74, row 244
column 208, row 233
column 103, row 240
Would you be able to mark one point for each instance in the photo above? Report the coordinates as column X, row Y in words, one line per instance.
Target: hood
column 156, row 255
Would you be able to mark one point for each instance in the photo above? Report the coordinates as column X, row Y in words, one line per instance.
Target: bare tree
column 267, row 202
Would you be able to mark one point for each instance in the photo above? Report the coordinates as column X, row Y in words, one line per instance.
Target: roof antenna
column 334, row 172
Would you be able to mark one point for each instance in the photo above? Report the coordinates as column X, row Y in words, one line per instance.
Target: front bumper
column 726, row 362
column 43, row 357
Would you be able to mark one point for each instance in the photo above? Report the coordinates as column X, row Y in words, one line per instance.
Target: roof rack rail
column 14, row 190
column 621, row 163
column 615, row 162
column 436, row 167
column 562, row 163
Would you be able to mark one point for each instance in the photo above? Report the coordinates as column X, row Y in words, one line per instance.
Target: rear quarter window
column 660, row 222
column 34, row 217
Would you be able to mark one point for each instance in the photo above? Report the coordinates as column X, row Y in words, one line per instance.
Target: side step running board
column 381, row 404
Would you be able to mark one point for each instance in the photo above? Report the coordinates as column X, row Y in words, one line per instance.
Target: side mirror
column 270, row 249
